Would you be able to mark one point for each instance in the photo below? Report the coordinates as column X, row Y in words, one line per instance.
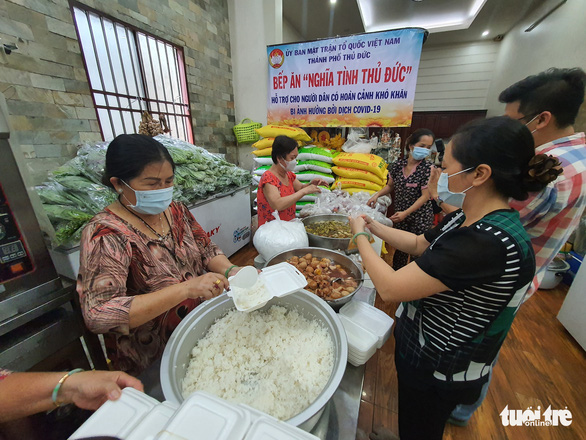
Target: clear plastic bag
column 355, row 144
column 341, row 202
column 277, row 236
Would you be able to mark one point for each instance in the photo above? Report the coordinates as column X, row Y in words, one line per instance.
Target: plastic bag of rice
column 276, row 361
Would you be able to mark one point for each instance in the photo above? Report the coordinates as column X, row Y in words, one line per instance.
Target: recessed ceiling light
column 333, row 2
column 417, row 1
column 485, row 33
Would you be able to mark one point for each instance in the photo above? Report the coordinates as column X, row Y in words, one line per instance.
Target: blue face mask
column 420, row 153
column 151, row 202
column 447, row 196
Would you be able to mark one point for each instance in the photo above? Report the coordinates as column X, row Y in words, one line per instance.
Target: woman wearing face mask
column 409, row 177
column 279, row 189
column 460, row 296
column 145, row 261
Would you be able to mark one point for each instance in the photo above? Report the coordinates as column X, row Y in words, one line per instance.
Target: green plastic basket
column 245, row 131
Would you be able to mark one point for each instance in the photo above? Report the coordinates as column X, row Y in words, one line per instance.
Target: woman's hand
column 433, row 179
column 90, row 389
column 207, row 286
column 372, row 201
column 360, row 223
column 399, row 216
column 319, row 182
column 311, row 189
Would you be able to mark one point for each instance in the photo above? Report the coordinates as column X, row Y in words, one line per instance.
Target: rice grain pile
column 276, row 361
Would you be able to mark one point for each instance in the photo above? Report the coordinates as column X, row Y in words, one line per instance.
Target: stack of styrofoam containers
column 367, row 329
column 136, row 416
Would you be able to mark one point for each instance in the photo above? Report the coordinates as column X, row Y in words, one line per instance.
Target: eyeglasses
column 530, row 117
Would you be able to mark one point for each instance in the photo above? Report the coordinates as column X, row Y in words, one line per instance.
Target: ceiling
column 463, row 20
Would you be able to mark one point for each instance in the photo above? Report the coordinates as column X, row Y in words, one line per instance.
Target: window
column 131, row 71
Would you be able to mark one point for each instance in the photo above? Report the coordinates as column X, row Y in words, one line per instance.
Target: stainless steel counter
column 340, row 417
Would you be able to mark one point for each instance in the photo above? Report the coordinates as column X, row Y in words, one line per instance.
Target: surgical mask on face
column 291, row 164
column 420, row 153
column 527, row 124
column 151, row 202
column 447, row 196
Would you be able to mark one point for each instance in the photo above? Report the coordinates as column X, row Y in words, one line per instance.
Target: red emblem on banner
column 276, row 58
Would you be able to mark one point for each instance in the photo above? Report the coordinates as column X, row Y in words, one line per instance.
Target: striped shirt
column 551, row 215
column 454, row 336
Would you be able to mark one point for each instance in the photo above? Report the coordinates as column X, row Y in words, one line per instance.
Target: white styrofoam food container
column 269, row 428
column 117, row 418
column 370, row 318
column 280, row 280
column 207, row 417
column 361, row 343
column 154, row 422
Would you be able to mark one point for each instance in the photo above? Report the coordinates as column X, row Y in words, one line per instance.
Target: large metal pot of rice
column 353, row 269
column 328, row 221
column 196, row 324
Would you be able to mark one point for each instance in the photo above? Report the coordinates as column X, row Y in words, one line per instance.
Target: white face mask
column 151, row 202
column 291, row 164
column 447, row 196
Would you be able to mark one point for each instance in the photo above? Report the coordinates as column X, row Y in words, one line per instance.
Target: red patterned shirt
column 265, row 213
column 551, row 215
column 4, row 373
column 118, row 262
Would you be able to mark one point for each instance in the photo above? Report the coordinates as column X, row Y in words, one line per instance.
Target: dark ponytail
column 507, row 146
column 129, row 154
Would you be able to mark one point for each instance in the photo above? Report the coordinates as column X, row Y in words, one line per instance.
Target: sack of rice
column 314, row 165
column 355, row 173
column 265, row 152
column 265, row 160
column 272, row 131
column 367, row 162
column 264, row 143
column 344, row 183
column 316, row 153
column 354, row 190
column 310, row 175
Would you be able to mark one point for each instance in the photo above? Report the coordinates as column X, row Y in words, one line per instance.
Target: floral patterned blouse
column 118, row 262
column 265, row 213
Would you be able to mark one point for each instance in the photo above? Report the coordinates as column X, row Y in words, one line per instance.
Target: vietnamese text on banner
column 356, row 81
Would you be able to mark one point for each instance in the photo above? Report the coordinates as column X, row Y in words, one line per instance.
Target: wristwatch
column 438, row 201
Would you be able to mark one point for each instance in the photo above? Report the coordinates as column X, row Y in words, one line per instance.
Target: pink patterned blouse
column 118, row 262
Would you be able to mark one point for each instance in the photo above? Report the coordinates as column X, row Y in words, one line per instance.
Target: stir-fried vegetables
column 330, row 229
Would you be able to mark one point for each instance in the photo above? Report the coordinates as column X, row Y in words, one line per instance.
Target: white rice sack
column 315, row 153
column 260, row 170
column 264, row 160
column 276, row 361
column 314, row 165
column 310, row 175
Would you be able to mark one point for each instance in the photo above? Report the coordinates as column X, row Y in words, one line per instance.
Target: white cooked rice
column 276, row 361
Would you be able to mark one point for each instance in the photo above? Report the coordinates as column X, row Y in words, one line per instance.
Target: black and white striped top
column 455, row 335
